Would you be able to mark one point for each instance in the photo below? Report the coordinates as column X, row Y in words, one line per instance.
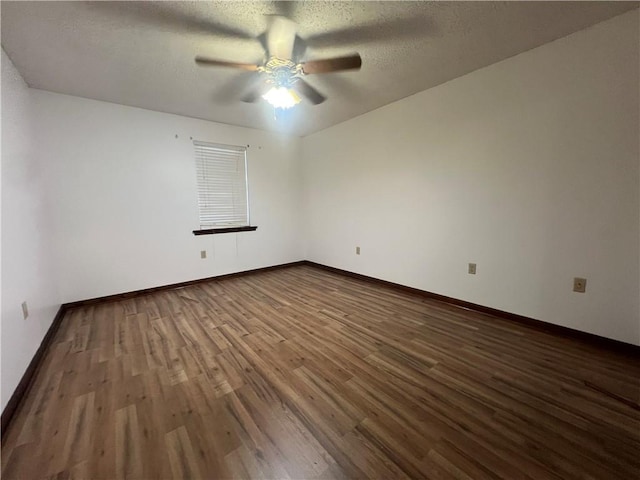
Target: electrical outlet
column 203, row 254
column 25, row 310
column 357, row 250
column 579, row 285
column 472, row 269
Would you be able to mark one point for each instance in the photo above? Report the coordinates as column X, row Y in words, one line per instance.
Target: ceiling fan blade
column 262, row 38
column 413, row 27
column 306, row 90
column 236, row 87
column 351, row 62
column 254, row 94
column 281, row 37
column 210, row 62
column 168, row 15
column 299, row 49
column 297, row 52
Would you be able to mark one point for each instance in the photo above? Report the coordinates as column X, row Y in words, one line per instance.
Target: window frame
column 213, row 229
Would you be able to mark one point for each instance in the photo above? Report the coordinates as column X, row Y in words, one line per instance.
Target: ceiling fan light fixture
column 282, row 97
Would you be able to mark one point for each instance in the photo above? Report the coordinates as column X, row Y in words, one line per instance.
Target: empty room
column 320, row 240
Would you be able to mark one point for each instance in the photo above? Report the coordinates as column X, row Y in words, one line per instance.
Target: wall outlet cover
column 357, row 250
column 25, row 310
column 472, row 269
column 579, row 285
column 203, row 254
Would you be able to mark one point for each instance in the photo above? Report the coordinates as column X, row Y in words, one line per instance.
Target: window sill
column 213, row 231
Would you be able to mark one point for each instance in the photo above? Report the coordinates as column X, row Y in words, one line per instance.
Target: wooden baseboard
column 136, row 293
column 30, row 373
column 590, row 338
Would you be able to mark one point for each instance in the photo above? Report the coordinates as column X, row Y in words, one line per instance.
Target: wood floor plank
column 128, row 443
column 77, row 444
column 301, row 373
column 181, row 455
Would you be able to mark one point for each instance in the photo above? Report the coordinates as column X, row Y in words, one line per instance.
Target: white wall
column 26, row 249
column 124, row 190
column 528, row 167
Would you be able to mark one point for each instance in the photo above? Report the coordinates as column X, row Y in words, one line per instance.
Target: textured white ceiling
column 142, row 53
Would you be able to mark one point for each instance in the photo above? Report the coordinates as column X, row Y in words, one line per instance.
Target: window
column 223, row 194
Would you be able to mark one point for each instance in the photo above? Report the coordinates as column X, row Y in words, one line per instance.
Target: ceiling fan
column 282, row 72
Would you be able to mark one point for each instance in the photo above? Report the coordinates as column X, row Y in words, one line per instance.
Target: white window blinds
column 222, row 185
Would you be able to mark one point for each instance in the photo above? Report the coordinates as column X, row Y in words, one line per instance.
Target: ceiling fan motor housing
column 281, row 73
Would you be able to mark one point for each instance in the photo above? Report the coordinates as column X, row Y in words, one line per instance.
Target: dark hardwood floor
column 301, row 373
